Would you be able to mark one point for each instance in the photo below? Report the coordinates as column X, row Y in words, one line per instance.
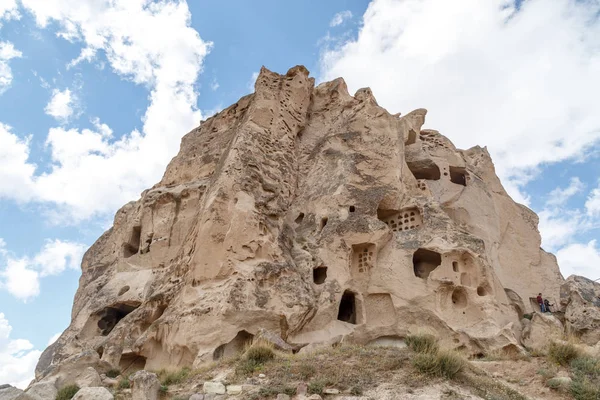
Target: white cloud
column 252, row 81
column 7, row 53
column 21, row 276
column 16, row 172
column 54, row 338
column 17, row 357
column 214, row 85
column 340, row 17
column 592, row 204
column 149, row 43
column 61, row 105
column 580, row 259
column 8, row 10
column 522, row 82
column 560, row 196
column 559, row 226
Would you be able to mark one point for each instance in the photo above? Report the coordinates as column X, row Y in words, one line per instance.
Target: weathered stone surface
column 8, row 392
column 317, row 216
column 541, row 331
column 197, row 396
column 581, row 298
column 40, row 391
column 234, row 389
column 88, row 378
column 93, row 393
column 213, row 387
column 145, row 386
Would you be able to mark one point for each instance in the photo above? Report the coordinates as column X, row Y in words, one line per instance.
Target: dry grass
column 586, row 378
column 67, row 392
column 422, row 343
column 563, row 353
column 445, row 364
column 167, row 377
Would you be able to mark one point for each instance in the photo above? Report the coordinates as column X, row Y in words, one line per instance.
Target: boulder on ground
column 146, row 386
column 581, row 299
column 93, row 393
column 45, row 390
column 8, row 392
column 541, row 331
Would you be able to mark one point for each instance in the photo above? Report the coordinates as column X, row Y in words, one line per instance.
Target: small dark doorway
column 133, row 244
column 319, row 275
column 425, row 261
column 347, row 311
column 458, row 175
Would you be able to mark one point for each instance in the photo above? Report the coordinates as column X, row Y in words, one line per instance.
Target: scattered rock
column 93, row 393
column 234, row 389
column 283, row 396
column 197, row 396
column 559, row 382
column 145, row 386
column 315, row 397
column 331, row 391
column 302, row 389
column 214, row 387
column 45, row 390
column 8, row 392
column 262, row 376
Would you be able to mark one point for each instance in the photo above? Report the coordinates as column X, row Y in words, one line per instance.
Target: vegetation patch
column 67, row 392
column 445, row 364
column 113, row 373
column 563, row 353
column 586, row 378
column 173, row 377
column 422, row 343
column 124, row 383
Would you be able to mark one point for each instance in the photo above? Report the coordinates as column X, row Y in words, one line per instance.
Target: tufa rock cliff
column 316, row 216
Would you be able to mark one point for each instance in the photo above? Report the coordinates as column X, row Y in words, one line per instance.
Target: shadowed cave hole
column 482, row 291
column 110, row 316
column 323, row 222
column 455, row 266
column 319, row 275
column 458, row 175
column 132, row 246
column 299, row 218
column 347, row 311
column 459, row 298
column 131, row 362
column 425, row 261
column 412, row 138
column 424, row 170
column 236, row 345
column 352, row 209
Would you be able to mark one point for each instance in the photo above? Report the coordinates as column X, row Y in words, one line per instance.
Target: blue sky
column 95, row 96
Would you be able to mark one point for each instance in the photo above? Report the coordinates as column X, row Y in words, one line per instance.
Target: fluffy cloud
column 61, row 105
column 7, row 53
column 149, row 43
column 16, row 172
column 340, row 18
column 531, row 101
column 17, row 357
column 580, row 259
column 8, row 10
column 560, row 196
column 592, row 204
column 21, row 276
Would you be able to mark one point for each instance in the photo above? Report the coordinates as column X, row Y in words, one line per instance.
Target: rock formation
column 314, row 215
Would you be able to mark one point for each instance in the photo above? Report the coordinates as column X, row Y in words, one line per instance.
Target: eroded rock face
column 581, row 298
column 316, row 215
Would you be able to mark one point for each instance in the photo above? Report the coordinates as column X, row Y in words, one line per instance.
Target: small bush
column 563, row 353
column 113, row 373
column 528, row 316
column 67, row 392
column 446, row 364
column 260, row 353
column 124, row 383
column 586, row 378
column 247, row 367
column 306, row 371
column 175, row 377
column 316, row 387
column 422, row 343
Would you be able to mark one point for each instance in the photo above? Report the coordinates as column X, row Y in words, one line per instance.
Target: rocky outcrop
column 315, row 215
column 580, row 298
column 93, row 393
column 541, row 330
column 8, row 392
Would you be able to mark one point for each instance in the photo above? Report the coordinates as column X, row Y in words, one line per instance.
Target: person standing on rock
column 540, row 301
column 547, row 305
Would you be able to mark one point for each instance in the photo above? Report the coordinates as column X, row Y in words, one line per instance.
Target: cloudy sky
column 96, row 94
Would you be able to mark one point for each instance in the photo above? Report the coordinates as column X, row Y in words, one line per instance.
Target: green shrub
column 446, row 364
column 422, row 343
column 175, row 377
column 113, row 373
column 586, row 378
column 316, row 387
column 260, row 353
column 563, row 353
column 124, row 383
column 67, row 392
column 528, row 316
